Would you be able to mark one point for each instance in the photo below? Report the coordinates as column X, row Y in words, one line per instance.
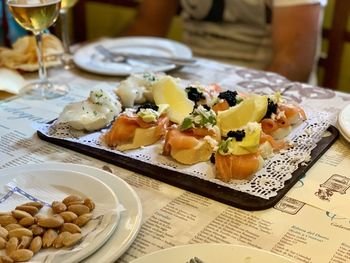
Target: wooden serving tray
column 194, row 184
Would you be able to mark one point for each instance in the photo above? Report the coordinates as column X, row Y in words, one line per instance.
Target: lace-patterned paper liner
column 265, row 183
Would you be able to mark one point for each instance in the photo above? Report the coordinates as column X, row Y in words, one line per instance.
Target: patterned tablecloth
column 172, row 216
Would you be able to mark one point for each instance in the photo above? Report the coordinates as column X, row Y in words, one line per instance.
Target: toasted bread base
column 143, row 137
column 201, row 153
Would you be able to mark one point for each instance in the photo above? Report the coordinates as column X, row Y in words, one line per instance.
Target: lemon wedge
column 252, row 109
column 168, row 91
column 249, row 144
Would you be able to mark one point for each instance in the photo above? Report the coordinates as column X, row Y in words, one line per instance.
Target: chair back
column 337, row 36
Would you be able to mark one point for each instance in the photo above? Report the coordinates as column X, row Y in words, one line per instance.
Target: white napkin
column 11, row 81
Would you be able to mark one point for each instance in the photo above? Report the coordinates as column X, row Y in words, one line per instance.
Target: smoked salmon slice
column 236, row 167
column 123, row 128
column 178, row 140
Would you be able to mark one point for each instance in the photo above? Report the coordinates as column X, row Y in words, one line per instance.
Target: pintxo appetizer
column 238, row 157
column 195, row 139
column 136, row 128
column 94, row 113
column 280, row 117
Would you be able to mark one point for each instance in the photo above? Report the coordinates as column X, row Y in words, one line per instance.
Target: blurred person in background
column 9, row 29
column 281, row 36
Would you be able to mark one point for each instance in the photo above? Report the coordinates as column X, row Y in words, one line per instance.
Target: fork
column 120, row 57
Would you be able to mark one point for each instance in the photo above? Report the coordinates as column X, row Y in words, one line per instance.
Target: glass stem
column 64, row 30
column 39, row 51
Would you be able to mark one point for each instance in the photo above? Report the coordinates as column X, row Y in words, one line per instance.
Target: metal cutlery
column 120, row 57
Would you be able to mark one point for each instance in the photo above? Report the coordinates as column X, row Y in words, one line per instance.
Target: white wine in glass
column 67, row 56
column 36, row 16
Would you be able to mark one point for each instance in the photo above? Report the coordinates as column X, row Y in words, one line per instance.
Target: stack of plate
column 104, row 188
column 344, row 122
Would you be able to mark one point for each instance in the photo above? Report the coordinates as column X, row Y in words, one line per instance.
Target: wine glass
column 36, row 16
column 67, row 55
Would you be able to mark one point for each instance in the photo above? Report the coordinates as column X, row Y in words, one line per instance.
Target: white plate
column 90, row 60
column 211, row 253
column 344, row 122
column 46, row 182
column 130, row 219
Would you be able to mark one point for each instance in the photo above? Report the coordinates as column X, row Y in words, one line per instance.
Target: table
column 307, row 225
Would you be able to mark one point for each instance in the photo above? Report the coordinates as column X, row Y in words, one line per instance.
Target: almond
column 71, row 228
column 3, row 232
column 72, row 239
column 75, row 203
column 26, row 221
column 49, row 237
column 37, row 230
column 35, row 204
column 58, row 207
column 89, row 203
column 6, row 259
column 7, row 219
column 25, row 242
column 68, row 216
column 13, row 226
column 2, row 243
column 50, row 222
column 5, row 213
column 19, row 214
column 58, row 243
column 71, row 198
column 29, row 209
column 79, row 209
column 36, row 244
column 21, row 255
column 20, row 232
column 11, row 245
column 83, row 219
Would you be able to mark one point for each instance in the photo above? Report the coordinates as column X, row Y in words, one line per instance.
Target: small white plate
column 44, row 183
column 344, row 122
column 209, row 253
column 130, row 219
column 89, row 59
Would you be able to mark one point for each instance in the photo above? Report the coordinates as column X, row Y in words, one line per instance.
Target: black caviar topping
column 212, row 158
column 194, row 94
column 147, row 105
column 239, row 135
column 229, row 96
column 271, row 108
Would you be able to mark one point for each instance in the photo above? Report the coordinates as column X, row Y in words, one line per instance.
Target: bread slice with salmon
column 134, row 129
column 195, row 139
column 238, row 157
column 280, row 117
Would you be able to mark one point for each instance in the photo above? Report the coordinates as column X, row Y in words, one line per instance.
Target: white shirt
column 235, row 31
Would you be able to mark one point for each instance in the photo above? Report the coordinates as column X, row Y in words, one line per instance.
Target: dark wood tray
column 194, row 184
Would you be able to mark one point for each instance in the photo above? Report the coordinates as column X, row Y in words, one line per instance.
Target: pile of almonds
column 23, row 232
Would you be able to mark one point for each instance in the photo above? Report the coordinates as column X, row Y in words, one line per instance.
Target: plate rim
column 124, row 216
column 155, row 40
column 344, row 132
column 197, row 246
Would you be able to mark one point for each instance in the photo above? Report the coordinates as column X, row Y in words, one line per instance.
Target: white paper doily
column 266, row 182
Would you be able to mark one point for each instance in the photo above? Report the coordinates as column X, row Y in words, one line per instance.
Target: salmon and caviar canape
column 195, row 139
column 134, row 129
column 280, row 117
